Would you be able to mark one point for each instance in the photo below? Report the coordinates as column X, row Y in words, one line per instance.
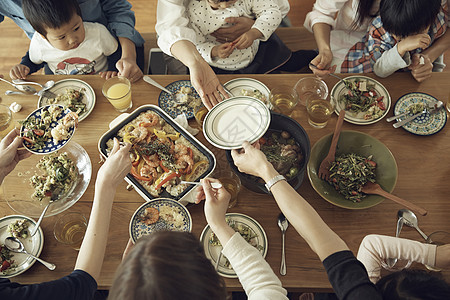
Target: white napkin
column 183, row 122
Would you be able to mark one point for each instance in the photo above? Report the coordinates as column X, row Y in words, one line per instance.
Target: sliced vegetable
column 195, row 168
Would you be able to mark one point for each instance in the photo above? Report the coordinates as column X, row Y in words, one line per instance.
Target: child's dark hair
column 407, row 17
column 413, row 285
column 49, row 13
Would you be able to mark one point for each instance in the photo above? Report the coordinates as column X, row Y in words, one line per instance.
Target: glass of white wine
column 70, row 228
column 283, row 98
column 311, row 87
column 6, row 120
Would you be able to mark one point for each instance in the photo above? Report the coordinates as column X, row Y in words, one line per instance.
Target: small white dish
column 32, row 244
column 240, row 86
column 212, row 252
column 60, row 88
column 235, row 120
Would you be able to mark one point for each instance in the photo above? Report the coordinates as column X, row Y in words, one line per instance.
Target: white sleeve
column 390, row 61
column 377, row 248
column 254, row 273
column 268, row 17
column 35, row 52
column 324, row 11
column 172, row 24
column 284, row 6
column 109, row 43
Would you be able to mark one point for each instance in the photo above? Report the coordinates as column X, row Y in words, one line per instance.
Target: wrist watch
column 274, row 180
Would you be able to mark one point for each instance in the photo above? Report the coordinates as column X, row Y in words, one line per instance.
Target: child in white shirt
column 63, row 41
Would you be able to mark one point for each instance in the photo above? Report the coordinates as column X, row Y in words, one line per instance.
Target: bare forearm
column 438, row 47
column 92, row 251
column 322, row 36
column 128, row 48
column 306, row 221
column 186, row 52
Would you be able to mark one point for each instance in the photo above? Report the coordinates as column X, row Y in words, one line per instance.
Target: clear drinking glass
column 311, row 87
column 438, row 238
column 283, row 98
column 70, row 229
column 118, row 92
column 6, row 121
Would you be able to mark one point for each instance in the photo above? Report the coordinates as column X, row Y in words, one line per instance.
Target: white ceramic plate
column 33, row 245
column 238, row 86
column 358, row 118
column 61, row 86
column 235, row 120
column 425, row 124
column 138, row 228
column 212, row 252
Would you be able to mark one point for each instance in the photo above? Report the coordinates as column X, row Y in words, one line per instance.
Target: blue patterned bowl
column 138, row 228
column 166, row 102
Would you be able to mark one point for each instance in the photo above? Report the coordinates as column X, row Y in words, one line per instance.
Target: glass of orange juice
column 118, row 91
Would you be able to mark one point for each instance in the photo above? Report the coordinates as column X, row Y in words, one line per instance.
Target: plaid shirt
column 362, row 56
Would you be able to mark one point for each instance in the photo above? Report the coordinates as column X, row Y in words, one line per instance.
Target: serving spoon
column 43, row 92
column 375, row 188
column 283, row 224
column 15, row 245
column 24, row 88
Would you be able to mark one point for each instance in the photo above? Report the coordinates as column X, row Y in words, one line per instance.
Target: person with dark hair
column 64, row 42
column 115, row 15
column 173, row 265
column 347, row 275
column 81, row 283
column 403, row 29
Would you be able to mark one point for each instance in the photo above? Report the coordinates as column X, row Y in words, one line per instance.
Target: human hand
column 116, row 166
column 128, row 68
column 206, row 83
column 323, row 64
column 413, row 42
column 10, row 154
column 19, row 71
column 239, row 26
column 419, row 71
column 247, row 39
column 443, row 257
column 223, row 50
column 128, row 248
column 216, row 202
column 108, row 74
column 251, row 160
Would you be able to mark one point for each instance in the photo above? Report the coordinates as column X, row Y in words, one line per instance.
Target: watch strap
column 274, row 180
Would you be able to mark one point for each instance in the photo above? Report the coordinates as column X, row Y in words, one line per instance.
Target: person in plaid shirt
column 397, row 36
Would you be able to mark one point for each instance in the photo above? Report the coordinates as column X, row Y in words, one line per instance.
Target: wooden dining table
column 423, row 178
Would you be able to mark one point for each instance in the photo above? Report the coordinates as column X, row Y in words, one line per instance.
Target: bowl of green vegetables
column 360, row 158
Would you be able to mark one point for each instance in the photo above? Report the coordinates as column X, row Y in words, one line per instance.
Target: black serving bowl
column 279, row 122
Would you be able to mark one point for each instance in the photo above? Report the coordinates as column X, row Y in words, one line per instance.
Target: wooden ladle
column 375, row 188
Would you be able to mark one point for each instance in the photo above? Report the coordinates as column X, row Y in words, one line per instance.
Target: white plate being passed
column 33, row 245
column 213, row 252
column 358, row 118
column 235, row 120
column 60, row 88
column 425, row 124
column 138, row 228
column 239, row 86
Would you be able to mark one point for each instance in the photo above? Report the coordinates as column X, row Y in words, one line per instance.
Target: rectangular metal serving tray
column 126, row 118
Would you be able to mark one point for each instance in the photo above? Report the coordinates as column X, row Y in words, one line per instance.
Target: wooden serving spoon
column 375, row 188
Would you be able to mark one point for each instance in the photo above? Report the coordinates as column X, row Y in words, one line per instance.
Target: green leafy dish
column 360, row 144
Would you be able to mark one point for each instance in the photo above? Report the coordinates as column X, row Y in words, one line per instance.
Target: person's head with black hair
column 404, row 18
column 58, row 21
column 413, row 285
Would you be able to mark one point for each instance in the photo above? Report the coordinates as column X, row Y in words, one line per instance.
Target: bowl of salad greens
column 360, row 158
column 364, row 99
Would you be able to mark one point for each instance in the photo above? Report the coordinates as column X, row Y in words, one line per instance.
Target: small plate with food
column 48, row 129
column 249, row 229
column 235, row 120
column 186, row 99
column 13, row 264
column 159, row 214
column 364, row 99
column 62, row 176
column 248, row 87
column 74, row 94
column 425, row 124
column 361, row 158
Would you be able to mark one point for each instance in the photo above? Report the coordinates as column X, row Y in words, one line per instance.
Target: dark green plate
column 361, row 144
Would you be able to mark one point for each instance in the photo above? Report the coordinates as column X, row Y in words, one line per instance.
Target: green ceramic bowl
column 361, row 144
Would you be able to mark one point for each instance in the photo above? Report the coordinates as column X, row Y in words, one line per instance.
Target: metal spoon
column 410, row 219
column 392, row 261
column 36, row 227
column 214, row 185
column 20, row 87
column 283, row 224
column 15, row 245
column 21, row 81
column 39, row 93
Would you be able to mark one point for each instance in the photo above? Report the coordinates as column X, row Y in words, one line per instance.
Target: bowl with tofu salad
column 365, row 100
column 62, row 176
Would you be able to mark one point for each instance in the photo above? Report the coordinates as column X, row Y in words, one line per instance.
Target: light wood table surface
column 423, row 178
